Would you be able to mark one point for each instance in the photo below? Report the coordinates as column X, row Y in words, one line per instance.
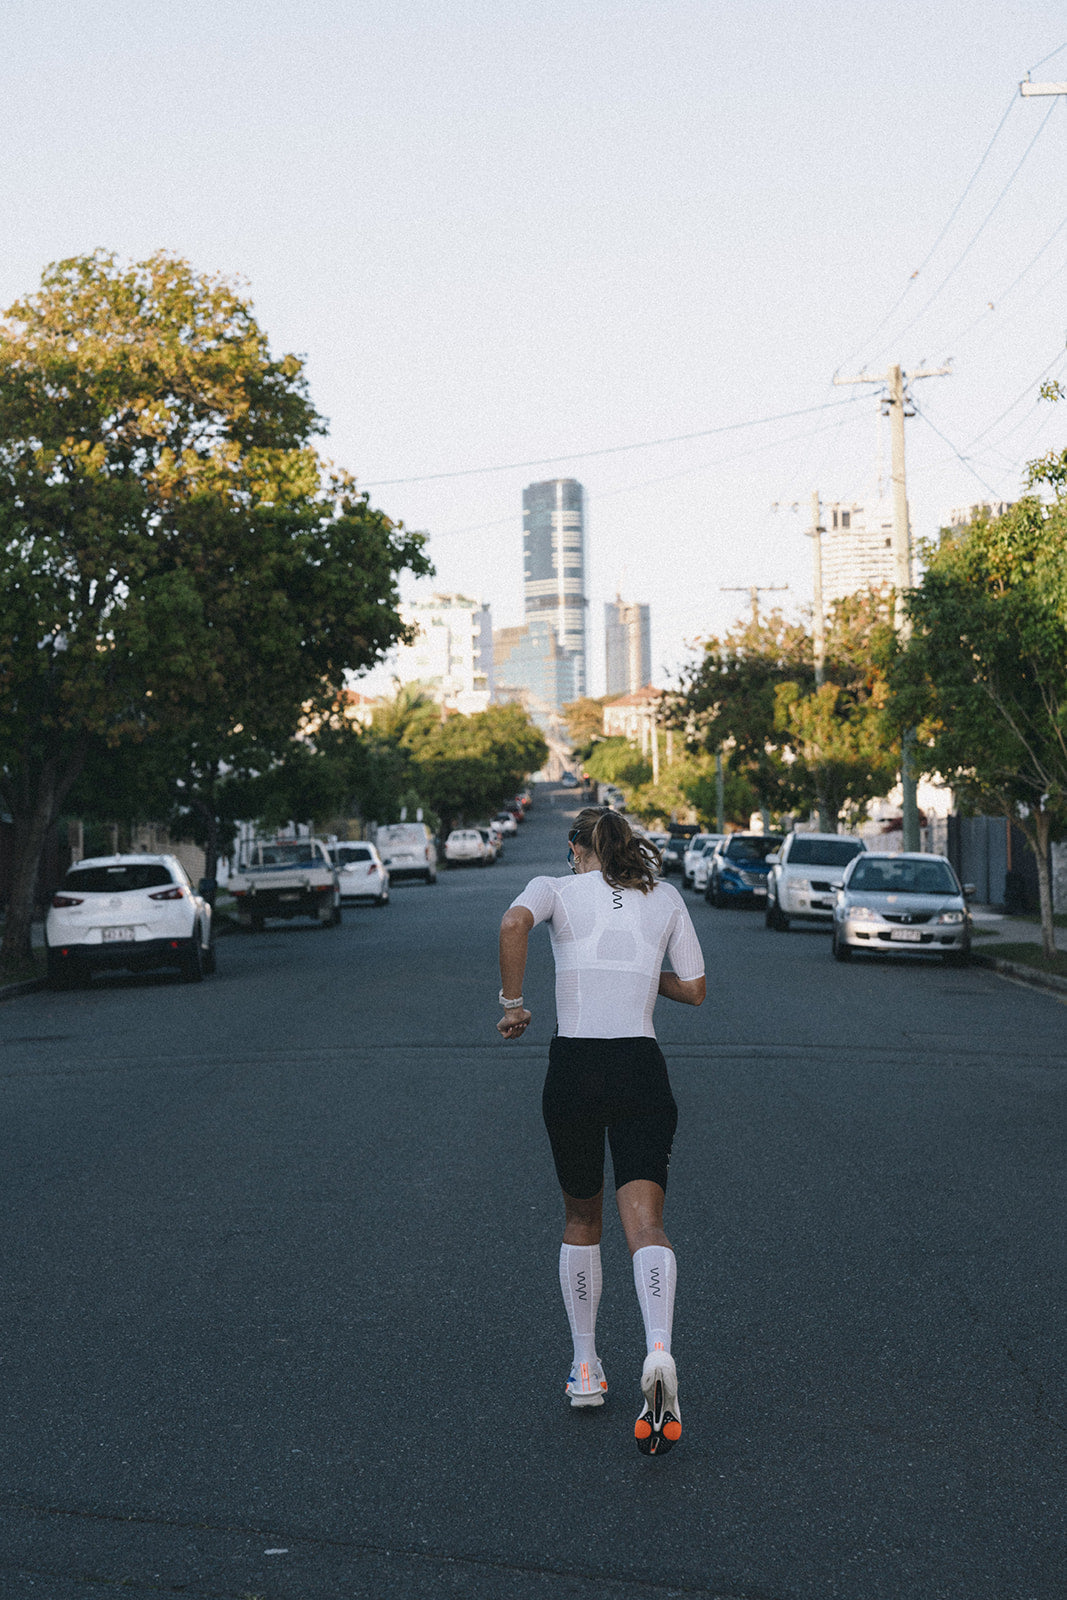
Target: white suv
column 695, row 848
column 465, row 844
column 805, row 875
column 407, row 850
column 132, row 912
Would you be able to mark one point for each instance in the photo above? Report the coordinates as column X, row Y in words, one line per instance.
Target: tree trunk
column 1040, row 842
column 31, row 831
column 32, row 823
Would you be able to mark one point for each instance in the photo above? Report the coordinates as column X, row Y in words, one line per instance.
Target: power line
column 956, row 338
column 1041, row 63
column 929, row 254
column 950, row 274
column 610, row 450
column 958, row 454
column 669, row 477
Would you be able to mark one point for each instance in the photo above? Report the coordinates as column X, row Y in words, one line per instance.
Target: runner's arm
column 688, row 991
column 515, row 928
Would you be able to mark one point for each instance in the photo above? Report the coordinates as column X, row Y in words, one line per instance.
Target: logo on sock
column 579, row 1279
column 653, row 1281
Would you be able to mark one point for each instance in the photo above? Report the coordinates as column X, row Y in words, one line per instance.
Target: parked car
column 702, row 862
column 673, row 851
column 516, row 809
column 693, row 848
column 506, row 822
column 492, row 844
column 903, row 904
column 407, row 850
column 805, row 875
column 130, row 912
column 737, row 872
column 360, row 872
column 465, row 845
column 568, row 780
column 285, row 878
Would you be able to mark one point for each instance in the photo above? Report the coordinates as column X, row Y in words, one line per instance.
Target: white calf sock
column 580, row 1280
column 655, row 1274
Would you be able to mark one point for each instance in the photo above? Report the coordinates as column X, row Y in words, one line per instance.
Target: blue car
column 739, row 868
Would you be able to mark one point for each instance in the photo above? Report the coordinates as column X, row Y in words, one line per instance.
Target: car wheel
column 431, row 877
column 768, row 917
column 192, row 962
column 382, row 900
column 717, row 898
column 257, row 922
column 841, row 951
column 210, row 961
column 61, row 975
column 781, row 921
column 956, row 958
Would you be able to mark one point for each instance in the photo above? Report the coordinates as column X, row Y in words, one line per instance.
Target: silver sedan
column 902, row 904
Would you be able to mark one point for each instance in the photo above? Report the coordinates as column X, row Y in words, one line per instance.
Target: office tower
column 531, row 667
column 553, row 547
column 451, row 655
column 627, row 646
column 857, row 548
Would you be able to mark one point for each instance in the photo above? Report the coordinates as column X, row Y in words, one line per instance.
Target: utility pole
column 896, row 401
column 818, row 614
column 753, row 590
column 819, row 638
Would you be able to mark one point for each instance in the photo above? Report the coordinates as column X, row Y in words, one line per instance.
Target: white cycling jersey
column 608, row 946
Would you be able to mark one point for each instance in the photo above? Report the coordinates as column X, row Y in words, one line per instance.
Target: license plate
column 907, row 935
column 759, row 888
column 288, row 897
column 111, row 935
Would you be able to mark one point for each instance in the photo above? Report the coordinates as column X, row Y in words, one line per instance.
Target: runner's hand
column 513, row 1024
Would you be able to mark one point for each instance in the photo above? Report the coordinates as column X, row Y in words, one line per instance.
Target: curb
column 1014, row 969
column 11, row 991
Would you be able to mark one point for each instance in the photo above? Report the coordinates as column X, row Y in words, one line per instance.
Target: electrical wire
column 957, row 453
column 998, row 301
column 950, row 274
column 610, row 450
column 1017, row 401
column 1041, row 63
column 670, row 477
column 930, row 253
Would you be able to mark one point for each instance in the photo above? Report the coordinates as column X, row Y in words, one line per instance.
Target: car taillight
column 60, row 900
column 168, row 894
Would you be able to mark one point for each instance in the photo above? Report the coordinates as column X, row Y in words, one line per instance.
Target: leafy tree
column 616, row 760
column 986, row 669
column 584, row 721
column 846, row 749
column 175, row 565
column 466, row 766
column 729, row 699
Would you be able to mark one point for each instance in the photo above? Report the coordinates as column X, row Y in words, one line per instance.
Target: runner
column 610, row 925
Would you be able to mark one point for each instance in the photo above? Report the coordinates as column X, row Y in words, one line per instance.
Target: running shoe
column 587, row 1384
column 659, row 1427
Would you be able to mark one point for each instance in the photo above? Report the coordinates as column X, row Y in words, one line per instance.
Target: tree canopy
column 176, row 564
column 986, row 670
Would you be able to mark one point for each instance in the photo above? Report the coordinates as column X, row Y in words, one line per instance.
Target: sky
column 627, row 243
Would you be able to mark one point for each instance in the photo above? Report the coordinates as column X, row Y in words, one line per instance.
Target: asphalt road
column 282, row 1317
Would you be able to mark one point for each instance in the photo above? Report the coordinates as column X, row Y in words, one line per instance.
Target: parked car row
column 886, row 903
column 139, row 912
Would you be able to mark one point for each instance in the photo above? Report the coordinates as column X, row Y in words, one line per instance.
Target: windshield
column 904, row 877
column 118, row 879
column 401, row 833
column 297, row 854
column 352, row 852
column 823, row 852
column 752, row 847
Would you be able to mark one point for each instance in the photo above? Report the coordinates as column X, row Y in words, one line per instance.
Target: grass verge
column 24, row 971
column 1032, row 955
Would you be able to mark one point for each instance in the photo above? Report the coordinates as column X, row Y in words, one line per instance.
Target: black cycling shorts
column 615, row 1085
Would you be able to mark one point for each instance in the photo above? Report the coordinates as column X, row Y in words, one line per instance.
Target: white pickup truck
column 285, row 878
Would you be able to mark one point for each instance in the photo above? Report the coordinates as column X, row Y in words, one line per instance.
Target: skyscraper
column 857, row 548
column 627, row 646
column 553, row 548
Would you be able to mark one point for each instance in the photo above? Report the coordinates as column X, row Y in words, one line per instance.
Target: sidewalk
column 1009, row 930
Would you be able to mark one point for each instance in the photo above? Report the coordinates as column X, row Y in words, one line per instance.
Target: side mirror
column 773, row 859
column 970, row 890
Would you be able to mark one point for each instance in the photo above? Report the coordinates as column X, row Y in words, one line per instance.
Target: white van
column 408, row 850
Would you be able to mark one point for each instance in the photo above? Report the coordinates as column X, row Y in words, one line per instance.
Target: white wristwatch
column 510, row 1005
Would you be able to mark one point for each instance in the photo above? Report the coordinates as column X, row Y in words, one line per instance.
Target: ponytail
column 626, row 861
